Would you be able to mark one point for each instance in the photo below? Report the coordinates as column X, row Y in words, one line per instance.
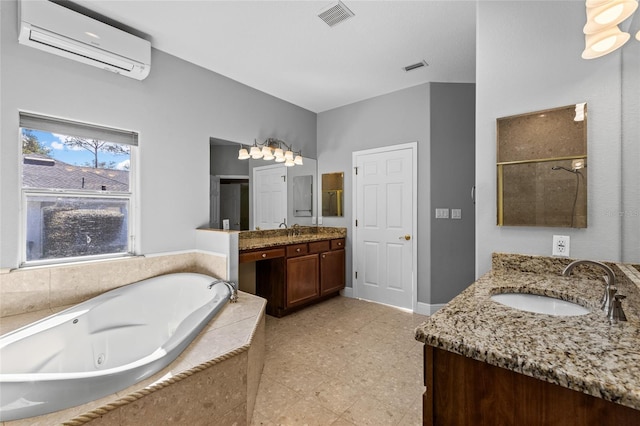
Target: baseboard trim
column 347, row 292
column 427, row 308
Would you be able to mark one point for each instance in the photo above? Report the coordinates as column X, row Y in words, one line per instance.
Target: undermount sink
column 540, row 304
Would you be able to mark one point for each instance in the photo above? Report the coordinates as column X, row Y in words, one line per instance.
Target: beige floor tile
column 343, row 362
column 307, row 412
column 335, row 395
column 371, row 411
column 273, row 398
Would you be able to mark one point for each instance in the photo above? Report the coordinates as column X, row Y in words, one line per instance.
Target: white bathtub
column 105, row 344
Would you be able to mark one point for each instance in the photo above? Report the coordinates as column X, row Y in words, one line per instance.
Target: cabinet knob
column 339, row 244
column 298, row 250
column 264, row 254
column 324, row 256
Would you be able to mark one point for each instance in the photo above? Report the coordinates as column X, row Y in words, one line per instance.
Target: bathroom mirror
column 332, row 194
column 303, row 196
column 542, row 168
column 231, row 189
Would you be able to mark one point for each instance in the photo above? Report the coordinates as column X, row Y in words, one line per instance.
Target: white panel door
column 384, row 212
column 269, row 196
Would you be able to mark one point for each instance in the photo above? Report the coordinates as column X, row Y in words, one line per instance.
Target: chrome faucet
column 610, row 290
column 233, row 289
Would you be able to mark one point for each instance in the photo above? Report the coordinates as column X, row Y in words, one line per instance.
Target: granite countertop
column 584, row 353
column 253, row 240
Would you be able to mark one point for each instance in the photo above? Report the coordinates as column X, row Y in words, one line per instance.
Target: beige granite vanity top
column 584, row 353
column 252, row 240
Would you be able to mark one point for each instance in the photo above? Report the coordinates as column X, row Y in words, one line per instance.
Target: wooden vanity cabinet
column 296, row 275
column 465, row 391
column 302, row 280
column 332, row 271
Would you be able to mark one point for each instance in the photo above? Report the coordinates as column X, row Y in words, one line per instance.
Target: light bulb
column 255, row 153
column 243, row 154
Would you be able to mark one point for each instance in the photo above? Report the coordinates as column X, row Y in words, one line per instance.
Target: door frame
column 413, row 146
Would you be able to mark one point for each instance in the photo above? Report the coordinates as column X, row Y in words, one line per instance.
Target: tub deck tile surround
column 38, row 288
column 584, row 353
column 227, row 389
column 251, row 240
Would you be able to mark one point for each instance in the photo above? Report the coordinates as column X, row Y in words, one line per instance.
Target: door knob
column 406, row 237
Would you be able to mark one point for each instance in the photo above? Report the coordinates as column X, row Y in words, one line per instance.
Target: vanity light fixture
column 602, row 35
column 271, row 149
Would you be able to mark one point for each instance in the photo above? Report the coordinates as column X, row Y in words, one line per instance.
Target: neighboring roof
column 40, row 171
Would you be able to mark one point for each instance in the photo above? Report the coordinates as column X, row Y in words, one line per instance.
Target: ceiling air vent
column 335, row 13
column 416, row 66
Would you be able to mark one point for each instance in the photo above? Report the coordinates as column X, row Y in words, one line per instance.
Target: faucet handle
column 617, row 314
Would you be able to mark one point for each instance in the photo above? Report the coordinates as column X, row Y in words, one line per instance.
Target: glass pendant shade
column 267, row 154
column 289, row 162
column 298, row 160
column 604, row 14
column 278, row 153
column 243, row 154
column 255, row 152
column 280, row 159
column 603, row 42
column 288, row 155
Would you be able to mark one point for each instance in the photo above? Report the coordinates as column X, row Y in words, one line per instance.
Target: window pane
column 62, row 227
column 57, row 161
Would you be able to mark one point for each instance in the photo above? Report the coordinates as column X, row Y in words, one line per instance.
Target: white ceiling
column 284, row 49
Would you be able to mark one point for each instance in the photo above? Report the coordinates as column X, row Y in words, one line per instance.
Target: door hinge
column 356, row 275
column 356, row 222
column 356, row 169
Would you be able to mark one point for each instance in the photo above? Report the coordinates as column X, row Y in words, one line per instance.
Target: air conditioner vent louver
column 53, row 28
column 416, row 66
column 335, row 13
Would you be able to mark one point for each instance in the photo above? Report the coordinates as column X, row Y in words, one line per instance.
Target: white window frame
column 132, row 215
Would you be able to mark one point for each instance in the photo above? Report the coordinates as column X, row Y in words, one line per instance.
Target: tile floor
column 341, row 362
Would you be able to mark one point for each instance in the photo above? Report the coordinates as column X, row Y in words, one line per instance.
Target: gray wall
column 528, row 59
column 223, row 160
column 176, row 110
column 392, row 119
column 631, row 147
column 452, row 172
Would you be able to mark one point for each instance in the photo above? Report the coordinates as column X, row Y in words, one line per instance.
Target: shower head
column 564, row 168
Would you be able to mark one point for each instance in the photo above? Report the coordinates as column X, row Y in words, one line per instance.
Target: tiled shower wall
column 34, row 289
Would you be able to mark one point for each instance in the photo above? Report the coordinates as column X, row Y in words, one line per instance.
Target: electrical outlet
column 561, row 245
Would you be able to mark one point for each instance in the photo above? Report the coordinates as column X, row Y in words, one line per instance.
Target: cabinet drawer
column 319, row 246
column 337, row 244
column 297, row 250
column 253, row 256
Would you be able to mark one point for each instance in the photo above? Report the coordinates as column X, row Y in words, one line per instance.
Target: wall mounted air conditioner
column 61, row 31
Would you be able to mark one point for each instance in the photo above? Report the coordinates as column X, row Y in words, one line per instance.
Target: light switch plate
column 442, row 213
column 456, row 213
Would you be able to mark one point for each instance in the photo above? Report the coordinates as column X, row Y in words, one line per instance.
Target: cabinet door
column 302, row 279
column 331, row 271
